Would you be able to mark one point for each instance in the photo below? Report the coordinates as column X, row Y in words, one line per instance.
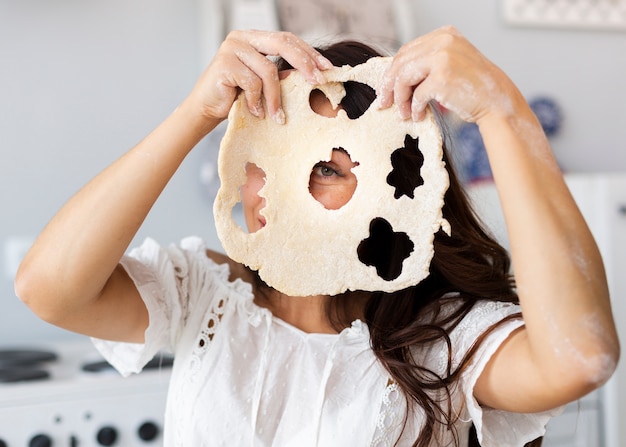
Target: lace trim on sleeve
column 390, row 418
column 167, row 279
column 146, row 265
column 497, row 428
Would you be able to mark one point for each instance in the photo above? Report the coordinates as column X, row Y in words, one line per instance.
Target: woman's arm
column 569, row 345
column 71, row 277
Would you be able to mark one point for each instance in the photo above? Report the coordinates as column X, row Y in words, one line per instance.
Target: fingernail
column 258, row 110
column 325, row 63
column 417, row 116
column 279, row 116
column 417, row 111
column 382, row 102
column 384, row 96
column 318, row 77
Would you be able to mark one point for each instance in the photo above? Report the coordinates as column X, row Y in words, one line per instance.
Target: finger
column 428, row 92
column 402, row 97
column 384, row 91
column 420, row 100
column 407, row 66
column 263, row 80
column 297, row 52
column 256, row 45
column 257, row 76
column 246, row 81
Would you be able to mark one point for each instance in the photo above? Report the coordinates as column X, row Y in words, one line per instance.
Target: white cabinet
column 595, row 420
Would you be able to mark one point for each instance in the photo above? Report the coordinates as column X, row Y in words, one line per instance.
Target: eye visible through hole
column 332, row 182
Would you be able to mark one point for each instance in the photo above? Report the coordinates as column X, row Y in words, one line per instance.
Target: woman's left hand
column 445, row 67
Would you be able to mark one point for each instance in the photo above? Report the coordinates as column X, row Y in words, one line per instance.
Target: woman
column 416, row 367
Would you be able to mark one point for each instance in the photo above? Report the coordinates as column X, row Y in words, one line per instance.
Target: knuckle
column 451, row 29
column 446, row 40
column 234, row 35
column 286, row 36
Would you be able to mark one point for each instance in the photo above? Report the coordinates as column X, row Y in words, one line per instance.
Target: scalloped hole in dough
column 406, row 162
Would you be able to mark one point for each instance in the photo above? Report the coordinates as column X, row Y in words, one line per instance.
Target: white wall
column 585, row 71
column 81, row 81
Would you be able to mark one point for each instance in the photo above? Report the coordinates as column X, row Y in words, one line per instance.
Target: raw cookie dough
column 306, row 249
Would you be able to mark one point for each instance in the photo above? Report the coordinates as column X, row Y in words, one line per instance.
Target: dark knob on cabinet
column 106, row 436
column 148, row 431
column 3, row 443
column 40, row 441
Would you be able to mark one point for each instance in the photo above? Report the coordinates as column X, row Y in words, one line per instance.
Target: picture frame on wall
column 580, row 14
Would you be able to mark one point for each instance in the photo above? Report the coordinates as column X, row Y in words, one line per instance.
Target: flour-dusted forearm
column 570, row 334
column 71, row 277
column 569, row 345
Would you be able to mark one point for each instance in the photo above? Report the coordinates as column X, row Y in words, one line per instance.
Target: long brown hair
column 469, row 263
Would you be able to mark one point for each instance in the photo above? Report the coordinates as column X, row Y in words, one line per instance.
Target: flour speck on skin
column 599, row 365
column 602, row 364
column 539, row 146
column 582, row 262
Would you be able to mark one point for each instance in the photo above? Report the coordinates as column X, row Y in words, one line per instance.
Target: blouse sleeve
column 495, row 428
column 167, row 279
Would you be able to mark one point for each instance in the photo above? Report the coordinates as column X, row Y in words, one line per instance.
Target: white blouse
column 242, row 377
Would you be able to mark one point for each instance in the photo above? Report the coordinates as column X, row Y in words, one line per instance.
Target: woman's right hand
column 241, row 64
column 70, row 277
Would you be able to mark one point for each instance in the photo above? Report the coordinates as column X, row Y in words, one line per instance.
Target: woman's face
column 332, row 182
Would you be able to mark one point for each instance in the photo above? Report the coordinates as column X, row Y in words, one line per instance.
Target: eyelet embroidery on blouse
column 205, row 338
column 208, row 331
column 389, row 418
